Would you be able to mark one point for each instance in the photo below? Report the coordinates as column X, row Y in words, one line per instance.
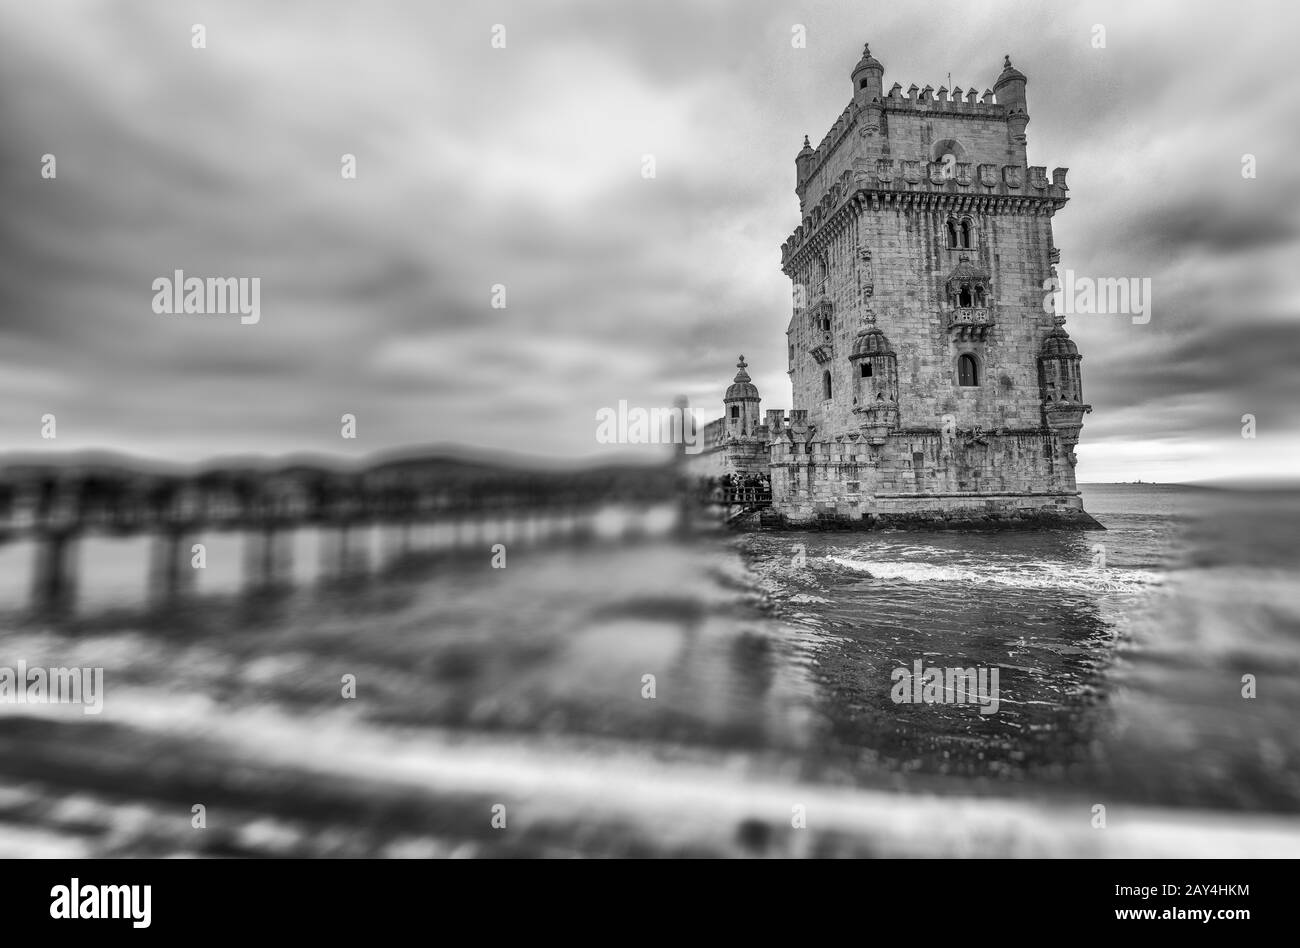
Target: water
column 1121, row 655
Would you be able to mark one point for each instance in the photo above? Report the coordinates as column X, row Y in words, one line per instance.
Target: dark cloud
column 1214, row 225
column 522, row 166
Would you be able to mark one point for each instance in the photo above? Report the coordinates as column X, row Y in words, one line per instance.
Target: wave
column 1042, row 575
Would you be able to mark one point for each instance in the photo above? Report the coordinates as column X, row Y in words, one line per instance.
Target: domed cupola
column 1059, row 345
column 803, row 167
column 870, row 341
column 867, row 63
column 868, row 88
column 1061, row 387
column 1058, row 367
column 741, row 401
column 1009, row 74
column 1010, row 90
column 875, row 381
column 741, row 386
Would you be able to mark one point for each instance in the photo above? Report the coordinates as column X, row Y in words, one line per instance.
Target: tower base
column 937, row 512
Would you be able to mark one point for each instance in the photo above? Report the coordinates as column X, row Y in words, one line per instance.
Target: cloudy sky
column 523, row 166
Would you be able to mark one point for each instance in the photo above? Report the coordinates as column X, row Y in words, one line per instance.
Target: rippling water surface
column 1120, row 653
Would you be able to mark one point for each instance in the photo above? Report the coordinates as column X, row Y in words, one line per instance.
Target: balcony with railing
column 822, row 346
column 970, row 322
column 821, row 309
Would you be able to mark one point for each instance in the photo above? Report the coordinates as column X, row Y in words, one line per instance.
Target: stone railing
column 970, row 320
column 971, row 316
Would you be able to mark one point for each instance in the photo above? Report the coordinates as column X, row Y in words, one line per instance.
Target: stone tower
column 930, row 380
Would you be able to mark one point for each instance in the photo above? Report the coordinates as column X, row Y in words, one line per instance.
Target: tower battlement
column 955, row 103
column 919, row 126
column 944, row 99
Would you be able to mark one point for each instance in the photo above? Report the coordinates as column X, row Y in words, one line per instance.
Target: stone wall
column 748, row 456
column 922, row 475
column 909, row 267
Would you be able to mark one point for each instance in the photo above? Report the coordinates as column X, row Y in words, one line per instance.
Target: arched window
column 735, row 412
column 963, row 297
column 965, row 233
column 979, row 295
column 866, row 370
column 826, row 385
column 952, row 235
column 967, row 370
column 948, row 152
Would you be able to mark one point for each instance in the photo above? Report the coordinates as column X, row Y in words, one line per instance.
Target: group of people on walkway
column 738, row 488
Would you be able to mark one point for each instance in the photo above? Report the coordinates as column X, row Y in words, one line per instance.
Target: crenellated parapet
column 953, row 101
column 789, row 437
